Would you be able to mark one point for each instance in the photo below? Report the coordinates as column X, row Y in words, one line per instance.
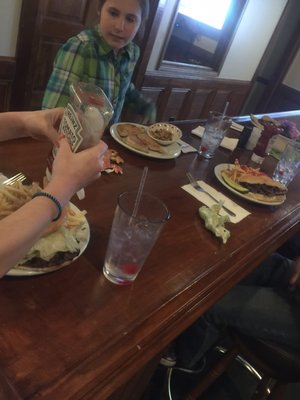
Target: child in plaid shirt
column 105, row 56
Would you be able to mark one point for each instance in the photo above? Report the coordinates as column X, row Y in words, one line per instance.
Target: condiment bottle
column 86, row 115
column 244, row 137
column 253, row 139
column 259, row 152
column 85, row 118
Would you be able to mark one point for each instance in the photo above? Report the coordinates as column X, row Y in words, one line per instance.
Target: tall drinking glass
column 289, row 164
column 215, row 130
column 132, row 237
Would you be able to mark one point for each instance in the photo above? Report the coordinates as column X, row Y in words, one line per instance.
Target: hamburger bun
column 263, row 188
column 269, row 199
column 261, row 180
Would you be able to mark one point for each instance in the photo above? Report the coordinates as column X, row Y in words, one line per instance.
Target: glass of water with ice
column 132, row 237
column 289, row 164
column 215, row 130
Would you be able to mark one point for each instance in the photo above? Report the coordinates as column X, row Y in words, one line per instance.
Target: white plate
column 220, row 167
column 172, row 151
column 83, row 237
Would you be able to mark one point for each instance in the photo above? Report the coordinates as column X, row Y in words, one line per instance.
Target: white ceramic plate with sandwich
column 66, row 238
column 260, row 199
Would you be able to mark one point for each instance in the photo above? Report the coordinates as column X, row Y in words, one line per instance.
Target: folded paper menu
column 240, row 212
column 227, row 143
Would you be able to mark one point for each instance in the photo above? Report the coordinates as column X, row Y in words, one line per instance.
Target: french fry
column 16, row 195
column 74, row 218
column 238, row 171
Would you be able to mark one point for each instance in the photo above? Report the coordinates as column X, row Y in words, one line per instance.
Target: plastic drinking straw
column 225, row 109
column 139, row 193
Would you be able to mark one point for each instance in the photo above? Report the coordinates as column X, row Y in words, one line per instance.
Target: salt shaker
column 253, row 139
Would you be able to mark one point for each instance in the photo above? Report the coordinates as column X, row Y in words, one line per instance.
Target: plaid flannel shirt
column 88, row 58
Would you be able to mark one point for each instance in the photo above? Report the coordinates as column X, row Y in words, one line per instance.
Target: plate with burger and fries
column 251, row 184
column 62, row 242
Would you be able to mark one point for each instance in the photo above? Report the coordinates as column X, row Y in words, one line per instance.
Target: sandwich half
column 263, row 188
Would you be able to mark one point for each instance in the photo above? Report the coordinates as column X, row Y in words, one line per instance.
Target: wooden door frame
column 27, row 26
column 281, row 70
column 287, row 36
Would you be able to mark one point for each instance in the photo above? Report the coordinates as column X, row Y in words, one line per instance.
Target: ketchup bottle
column 85, row 118
column 259, row 152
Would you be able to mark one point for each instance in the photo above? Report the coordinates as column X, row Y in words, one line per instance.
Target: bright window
column 209, row 12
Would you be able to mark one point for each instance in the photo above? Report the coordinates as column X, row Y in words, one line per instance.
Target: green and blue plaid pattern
column 87, row 57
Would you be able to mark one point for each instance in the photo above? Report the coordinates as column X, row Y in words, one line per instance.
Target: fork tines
column 20, row 177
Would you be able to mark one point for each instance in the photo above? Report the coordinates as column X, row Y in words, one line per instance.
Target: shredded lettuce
column 215, row 222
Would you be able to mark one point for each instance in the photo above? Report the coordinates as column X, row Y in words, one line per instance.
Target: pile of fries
column 15, row 196
column 238, row 171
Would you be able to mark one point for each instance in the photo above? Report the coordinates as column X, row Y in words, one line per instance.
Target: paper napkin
column 227, row 143
column 240, row 212
column 237, row 127
column 2, row 178
column 185, row 147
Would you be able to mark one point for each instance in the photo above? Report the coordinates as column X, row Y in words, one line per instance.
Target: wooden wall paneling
column 194, row 98
column 27, row 25
column 58, row 9
column 284, row 98
column 44, row 26
column 220, row 99
column 58, row 22
column 146, row 42
column 5, row 91
column 152, row 93
column 175, row 103
column 161, row 103
column 198, row 101
column 7, row 73
column 237, row 99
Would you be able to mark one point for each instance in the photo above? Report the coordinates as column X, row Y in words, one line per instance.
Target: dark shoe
column 169, row 357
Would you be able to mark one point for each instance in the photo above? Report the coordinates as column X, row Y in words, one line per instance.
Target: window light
column 209, row 12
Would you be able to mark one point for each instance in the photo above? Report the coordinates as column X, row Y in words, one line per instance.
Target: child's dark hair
column 144, row 4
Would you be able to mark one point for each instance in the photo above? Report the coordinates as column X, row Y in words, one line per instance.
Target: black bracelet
column 55, row 201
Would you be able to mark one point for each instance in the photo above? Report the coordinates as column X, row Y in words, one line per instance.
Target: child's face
column 120, row 21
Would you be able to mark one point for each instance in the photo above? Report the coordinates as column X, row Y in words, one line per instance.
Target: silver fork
column 196, row 186
column 16, row 178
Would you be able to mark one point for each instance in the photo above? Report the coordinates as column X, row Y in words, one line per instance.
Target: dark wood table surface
column 74, row 335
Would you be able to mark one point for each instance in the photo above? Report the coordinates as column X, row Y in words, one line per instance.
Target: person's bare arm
column 37, row 124
column 71, row 171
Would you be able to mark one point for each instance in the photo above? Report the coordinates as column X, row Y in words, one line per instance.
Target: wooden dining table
column 72, row 334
